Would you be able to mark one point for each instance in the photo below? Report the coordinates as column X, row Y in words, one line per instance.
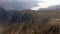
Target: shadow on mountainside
column 29, row 22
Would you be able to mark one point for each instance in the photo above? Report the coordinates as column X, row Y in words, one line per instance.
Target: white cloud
column 31, row 3
column 46, row 4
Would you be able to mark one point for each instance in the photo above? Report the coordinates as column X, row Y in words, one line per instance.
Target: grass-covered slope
column 29, row 22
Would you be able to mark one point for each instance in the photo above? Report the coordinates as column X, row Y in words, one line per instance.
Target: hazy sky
column 46, row 4
column 18, row 4
column 26, row 4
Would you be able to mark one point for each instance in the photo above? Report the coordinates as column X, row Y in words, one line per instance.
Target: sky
column 18, row 4
column 46, row 4
column 28, row 4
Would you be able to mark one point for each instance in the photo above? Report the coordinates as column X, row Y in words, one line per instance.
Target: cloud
column 46, row 4
column 18, row 4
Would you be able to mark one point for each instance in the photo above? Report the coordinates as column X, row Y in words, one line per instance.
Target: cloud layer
column 46, row 4
column 18, row 4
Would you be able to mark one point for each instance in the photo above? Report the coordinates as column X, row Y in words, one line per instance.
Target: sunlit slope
column 53, row 27
column 29, row 22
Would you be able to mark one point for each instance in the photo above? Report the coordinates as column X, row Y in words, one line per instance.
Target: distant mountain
column 57, row 7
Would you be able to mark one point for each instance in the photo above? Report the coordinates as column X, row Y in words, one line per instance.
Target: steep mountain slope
column 53, row 27
column 29, row 22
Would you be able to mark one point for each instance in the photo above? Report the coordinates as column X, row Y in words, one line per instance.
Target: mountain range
column 29, row 22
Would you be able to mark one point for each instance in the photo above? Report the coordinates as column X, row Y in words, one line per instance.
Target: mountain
column 3, row 14
column 10, row 17
column 29, row 22
column 57, row 7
